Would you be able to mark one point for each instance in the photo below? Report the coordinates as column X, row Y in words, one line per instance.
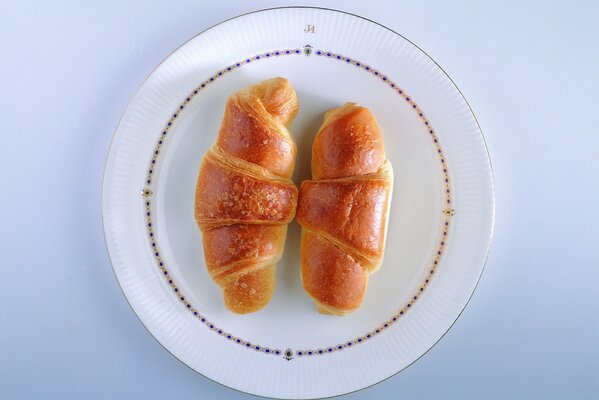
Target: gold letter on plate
column 309, row 28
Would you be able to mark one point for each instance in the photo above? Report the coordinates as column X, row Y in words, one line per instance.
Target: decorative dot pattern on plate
column 148, row 193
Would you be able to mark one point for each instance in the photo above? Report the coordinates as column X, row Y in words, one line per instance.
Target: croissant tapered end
column 278, row 98
column 254, row 126
column 349, row 143
column 252, row 291
column 241, row 259
column 334, row 280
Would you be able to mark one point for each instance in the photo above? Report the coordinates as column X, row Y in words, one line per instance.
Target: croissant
column 344, row 210
column 244, row 195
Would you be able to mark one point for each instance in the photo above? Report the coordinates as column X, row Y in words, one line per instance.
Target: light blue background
column 530, row 70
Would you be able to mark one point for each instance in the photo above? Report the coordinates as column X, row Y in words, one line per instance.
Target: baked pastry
column 344, row 209
column 245, row 197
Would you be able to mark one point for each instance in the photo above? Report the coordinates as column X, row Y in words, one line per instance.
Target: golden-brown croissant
column 344, row 210
column 245, row 197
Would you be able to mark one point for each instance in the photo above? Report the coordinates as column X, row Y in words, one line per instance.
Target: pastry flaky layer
column 244, row 195
column 344, row 210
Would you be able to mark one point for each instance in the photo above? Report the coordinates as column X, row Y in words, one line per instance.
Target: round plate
column 439, row 228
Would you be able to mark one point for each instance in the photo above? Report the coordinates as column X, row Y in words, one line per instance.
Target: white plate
column 439, row 230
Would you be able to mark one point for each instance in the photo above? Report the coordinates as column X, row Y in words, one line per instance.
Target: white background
column 529, row 71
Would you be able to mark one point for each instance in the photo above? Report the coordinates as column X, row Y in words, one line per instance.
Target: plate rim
column 480, row 132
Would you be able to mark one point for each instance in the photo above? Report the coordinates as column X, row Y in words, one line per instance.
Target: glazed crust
column 244, row 197
column 349, row 143
column 333, row 278
column 264, row 112
column 344, row 210
column 350, row 212
column 227, row 195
